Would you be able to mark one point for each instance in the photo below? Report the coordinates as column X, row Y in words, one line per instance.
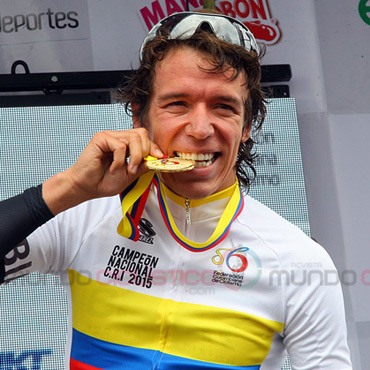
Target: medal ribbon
column 133, row 200
column 231, row 212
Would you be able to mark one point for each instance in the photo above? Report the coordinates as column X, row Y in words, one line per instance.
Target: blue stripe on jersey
column 105, row 355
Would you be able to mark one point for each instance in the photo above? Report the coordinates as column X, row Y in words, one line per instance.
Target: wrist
column 60, row 193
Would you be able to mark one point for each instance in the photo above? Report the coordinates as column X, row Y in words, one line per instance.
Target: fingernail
column 158, row 153
column 134, row 169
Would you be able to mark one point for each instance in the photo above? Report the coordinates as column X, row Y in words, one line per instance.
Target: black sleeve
column 19, row 217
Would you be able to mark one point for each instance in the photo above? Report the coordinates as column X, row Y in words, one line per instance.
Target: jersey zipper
column 187, row 211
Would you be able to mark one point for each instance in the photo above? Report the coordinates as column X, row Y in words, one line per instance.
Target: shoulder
column 95, row 208
column 288, row 242
column 84, row 218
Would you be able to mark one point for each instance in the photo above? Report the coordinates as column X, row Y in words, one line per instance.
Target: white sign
column 49, row 35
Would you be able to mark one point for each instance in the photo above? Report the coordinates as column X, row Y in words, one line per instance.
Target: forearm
column 101, row 170
column 20, row 216
column 59, row 193
column 24, row 213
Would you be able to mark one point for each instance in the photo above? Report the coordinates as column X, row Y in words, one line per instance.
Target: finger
column 133, row 143
column 144, row 135
column 109, row 143
column 119, row 157
column 148, row 146
column 155, row 151
column 139, row 147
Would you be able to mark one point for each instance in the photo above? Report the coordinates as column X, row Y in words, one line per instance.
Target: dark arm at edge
column 19, row 217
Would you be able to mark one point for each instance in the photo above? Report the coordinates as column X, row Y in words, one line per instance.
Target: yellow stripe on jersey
column 194, row 331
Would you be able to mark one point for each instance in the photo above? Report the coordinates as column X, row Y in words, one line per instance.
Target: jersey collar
column 133, row 200
column 231, row 212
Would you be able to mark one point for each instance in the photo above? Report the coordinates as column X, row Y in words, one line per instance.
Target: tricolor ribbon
column 231, row 212
column 133, row 200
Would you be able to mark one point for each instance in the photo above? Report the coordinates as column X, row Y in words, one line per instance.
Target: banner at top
column 255, row 14
column 81, row 35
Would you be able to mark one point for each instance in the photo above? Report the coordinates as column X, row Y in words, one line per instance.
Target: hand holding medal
column 173, row 164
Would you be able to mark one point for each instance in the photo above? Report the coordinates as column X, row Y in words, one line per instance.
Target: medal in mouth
column 172, row 164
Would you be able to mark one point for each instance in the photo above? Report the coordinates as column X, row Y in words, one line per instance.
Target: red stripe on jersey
column 77, row 365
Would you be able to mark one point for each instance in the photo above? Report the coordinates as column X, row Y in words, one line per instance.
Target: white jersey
column 185, row 297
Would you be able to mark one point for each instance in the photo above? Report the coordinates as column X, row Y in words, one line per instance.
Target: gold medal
column 174, row 164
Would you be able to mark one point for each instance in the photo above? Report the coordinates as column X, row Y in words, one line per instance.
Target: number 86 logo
column 233, row 256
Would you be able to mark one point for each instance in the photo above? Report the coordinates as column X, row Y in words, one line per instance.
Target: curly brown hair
column 138, row 88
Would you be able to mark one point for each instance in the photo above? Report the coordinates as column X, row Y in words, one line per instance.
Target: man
column 196, row 95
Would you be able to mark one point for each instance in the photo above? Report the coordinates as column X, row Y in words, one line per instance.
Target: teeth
column 201, row 159
column 203, row 164
column 196, row 156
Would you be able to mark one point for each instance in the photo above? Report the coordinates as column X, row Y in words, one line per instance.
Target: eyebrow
column 170, row 96
column 230, row 99
column 225, row 98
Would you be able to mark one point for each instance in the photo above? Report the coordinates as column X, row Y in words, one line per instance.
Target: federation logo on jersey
column 146, row 230
column 238, row 267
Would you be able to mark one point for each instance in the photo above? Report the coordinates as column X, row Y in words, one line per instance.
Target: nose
column 200, row 124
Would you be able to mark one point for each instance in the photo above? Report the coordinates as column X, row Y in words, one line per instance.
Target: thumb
column 155, row 151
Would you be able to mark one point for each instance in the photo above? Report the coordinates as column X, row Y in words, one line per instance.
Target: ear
column 246, row 133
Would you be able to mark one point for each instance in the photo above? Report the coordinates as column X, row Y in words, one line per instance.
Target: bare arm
column 102, row 169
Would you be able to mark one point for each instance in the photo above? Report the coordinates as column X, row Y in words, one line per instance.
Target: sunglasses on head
column 186, row 24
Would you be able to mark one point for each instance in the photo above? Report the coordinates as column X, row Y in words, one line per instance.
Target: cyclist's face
column 198, row 114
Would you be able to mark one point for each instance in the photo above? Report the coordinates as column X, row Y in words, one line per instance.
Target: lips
column 201, row 159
